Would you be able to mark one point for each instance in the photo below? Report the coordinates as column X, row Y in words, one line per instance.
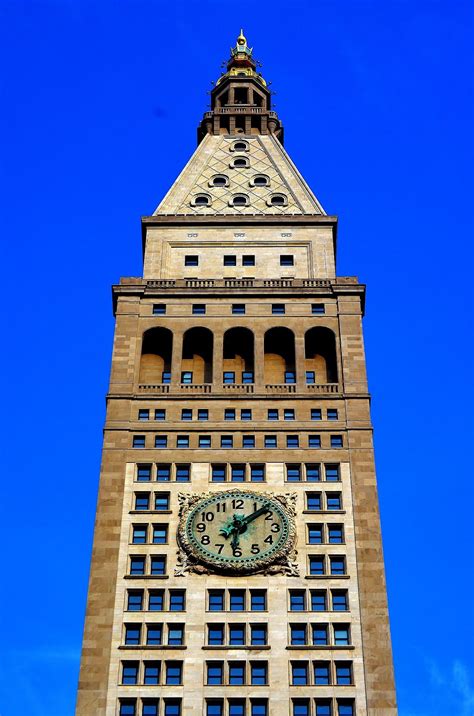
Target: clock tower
column 237, row 565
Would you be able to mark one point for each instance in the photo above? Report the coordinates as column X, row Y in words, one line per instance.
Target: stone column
column 217, row 362
column 300, row 364
column 176, row 356
column 259, row 365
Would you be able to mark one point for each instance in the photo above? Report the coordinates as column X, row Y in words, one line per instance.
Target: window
column 154, row 635
column 166, row 376
column 219, row 180
column 341, row 634
column 260, row 180
column 278, row 200
column 336, row 441
column 240, row 199
column 293, row 473
column 204, row 441
column 258, row 634
column 237, row 635
column 177, row 600
column 139, row 534
column 313, row 473
column 246, row 414
column 270, row 441
column 142, row 501
column 337, row 565
column 159, row 309
column 183, row 473
column 138, row 441
column 238, row 309
column 160, row 534
column 315, row 534
column 216, row 600
column 161, row 441
column 186, row 413
column 248, row 260
column 240, row 147
column 301, row 707
column 215, row 674
column 272, row 414
column 258, row 600
column 299, row 673
column 332, row 473
column 317, row 309
column 203, row 414
column 310, row 377
column 297, row 601
column 214, row 708
column 162, row 501
column 257, row 473
column 332, row 414
column 163, row 473
column 216, row 634
column 228, row 377
column 323, row 707
column 236, row 674
column 316, row 565
column 237, row 473
column 227, row 441
column 143, row 473
column 199, row 309
column 247, row 376
column 315, row 414
column 345, row 707
column 129, row 672
column 288, row 414
column 318, row 601
column 314, row 441
column 237, row 600
column 132, row 634
column 248, row 441
column 321, row 673
column 186, row 378
column 320, row 634
column 258, row 673
column 230, row 260
column 278, row 309
column 128, row 707
column 151, row 673
column 173, row 673
column 290, row 377
column 313, row 501
column 287, row 260
column 158, row 565
column 237, row 707
column 297, row 634
column 201, row 200
column 150, row 707
column 229, row 414
column 135, row 601
column 175, row 635
column 292, row 441
column 191, row 260
column 333, row 501
column 218, row 473
column 172, row 708
column 340, row 601
column 156, row 600
column 258, row 707
column 182, row 441
column 335, row 534
column 343, row 673
column 143, row 414
column 160, row 414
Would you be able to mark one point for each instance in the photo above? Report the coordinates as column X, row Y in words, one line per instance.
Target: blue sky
column 99, row 105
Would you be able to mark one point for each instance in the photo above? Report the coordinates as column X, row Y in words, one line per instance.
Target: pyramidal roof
column 255, row 167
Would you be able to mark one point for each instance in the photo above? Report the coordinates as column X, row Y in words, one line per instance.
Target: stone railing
column 240, row 283
column 160, row 388
column 238, row 388
column 196, row 387
column 323, row 388
column 280, row 388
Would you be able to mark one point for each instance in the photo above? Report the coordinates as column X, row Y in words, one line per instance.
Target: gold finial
column 241, row 40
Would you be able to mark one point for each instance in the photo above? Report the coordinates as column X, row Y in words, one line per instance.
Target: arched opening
column 279, row 348
column 196, row 363
column 238, row 360
column 320, row 355
column 155, row 361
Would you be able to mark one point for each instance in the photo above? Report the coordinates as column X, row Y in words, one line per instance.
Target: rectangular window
column 236, row 707
column 151, row 673
column 160, row 534
column 258, row 600
column 272, row 414
column 293, row 473
column 288, row 414
column 191, row 260
column 345, row 707
column 158, row 565
column 257, row 473
column 332, row 414
column 258, row 673
column 315, row 534
column 143, row 473
column 297, row 600
column 218, row 473
column 310, row 377
column 301, row 707
column 316, row 565
column 215, row 674
column 332, row 473
column 138, row 441
column 238, row 309
column 321, row 673
column 313, row 472
column 248, row 441
column 159, row 309
column 335, row 534
column 132, row 634
column 258, row 634
column 278, row 309
column 130, row 672
column 323, row 707
column 229, row 414
column 237, row 634
column 161, row 441
column 341, row 634
column 175, row 635
column 292, row 441
column 183, row 473
column 299, row 673
column 333, row 500
column 270, row 441
column 163, row 473
column 156, row 600
column 128, row 707
column 286, row 260
column 199, row 309
column 297, row 634
column 230, row 260
column 318, row 600
column 336, row 441
column 247, row 377
column 313, row 501
column 135, row 600
column 317, row 309
column 236, row 673
column 215, row 634
column 172, row 707
column 258, row 707
column 248, row 260
column 214, row 708
column 290, row 377
column 154, row 635
column 320, row 634
column 314, row 441
column 162, row 501
column 204, row 441
column 227, row 441
column 246, row 414
column 182, row 441
column 237, row 473
column 139, row 534
column 142, row 500
column 186, row 377
column 315, row 414
column 166, row 376
column 137, row 566
column 337, row 565
column 150, row 707
column 203, row 414
column 143, row 414
column 160, row 414
column 228, row 377
column 237, row 600
column 186, row 414
column 177, row 600
column 174, row 671
column 340, row 601
column 343, row 673
column 216, row 600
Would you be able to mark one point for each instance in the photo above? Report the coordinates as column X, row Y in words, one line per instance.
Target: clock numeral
column 221, row 507
column 275, row 527
column 205, row 539
column 207, row 516
column 220, row 547
column 236, row 551
column 269, row 515
column 200, row 527
column 255, row 549
column 237, row 504
column 268, row 539
column 255, row 507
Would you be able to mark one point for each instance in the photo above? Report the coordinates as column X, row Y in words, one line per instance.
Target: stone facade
column 238, row 361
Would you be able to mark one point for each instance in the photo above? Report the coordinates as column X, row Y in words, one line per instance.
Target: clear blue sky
column 100, row 102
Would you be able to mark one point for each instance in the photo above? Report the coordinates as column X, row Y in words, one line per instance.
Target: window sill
column 235, row 611
column 325, row 647
column 146, row 576
column 209, row 647
column 324, row 512
column 128, row 647
column 151, row 512
column 327, row 576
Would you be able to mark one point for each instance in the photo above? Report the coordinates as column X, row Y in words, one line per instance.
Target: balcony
column 236, row 388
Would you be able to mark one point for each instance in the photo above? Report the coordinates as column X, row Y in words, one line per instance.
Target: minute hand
column 254, row 515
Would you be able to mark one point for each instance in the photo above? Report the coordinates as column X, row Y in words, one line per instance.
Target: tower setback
column 237, row 565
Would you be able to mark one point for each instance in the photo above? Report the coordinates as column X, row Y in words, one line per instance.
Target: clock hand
column 257, row 513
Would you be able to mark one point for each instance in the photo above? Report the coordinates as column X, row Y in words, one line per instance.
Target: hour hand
column 256, row 514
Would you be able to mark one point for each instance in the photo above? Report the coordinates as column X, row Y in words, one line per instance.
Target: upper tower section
column 240, row 99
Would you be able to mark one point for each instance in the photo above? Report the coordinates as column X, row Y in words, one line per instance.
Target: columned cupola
column 240, row 99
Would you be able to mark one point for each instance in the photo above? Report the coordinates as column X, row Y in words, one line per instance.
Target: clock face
column 236, row 531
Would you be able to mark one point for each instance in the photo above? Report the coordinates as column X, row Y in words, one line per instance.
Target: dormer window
column 278, row 200
column 239, row 146
column 239, row 163
column 219, row 180
column 201, row 200
column 239, row 200
column 260, row 180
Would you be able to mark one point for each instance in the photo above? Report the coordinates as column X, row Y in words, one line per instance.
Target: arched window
column 238, row 364
column 239, row 200
column 219, row 180
column 155, row 361
column 260, row 180
column 239, row 163
column 196, row 362
column 201, row 200
column 240, row 146
column 278, row 200
column 320, row 355
column 279, row 361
